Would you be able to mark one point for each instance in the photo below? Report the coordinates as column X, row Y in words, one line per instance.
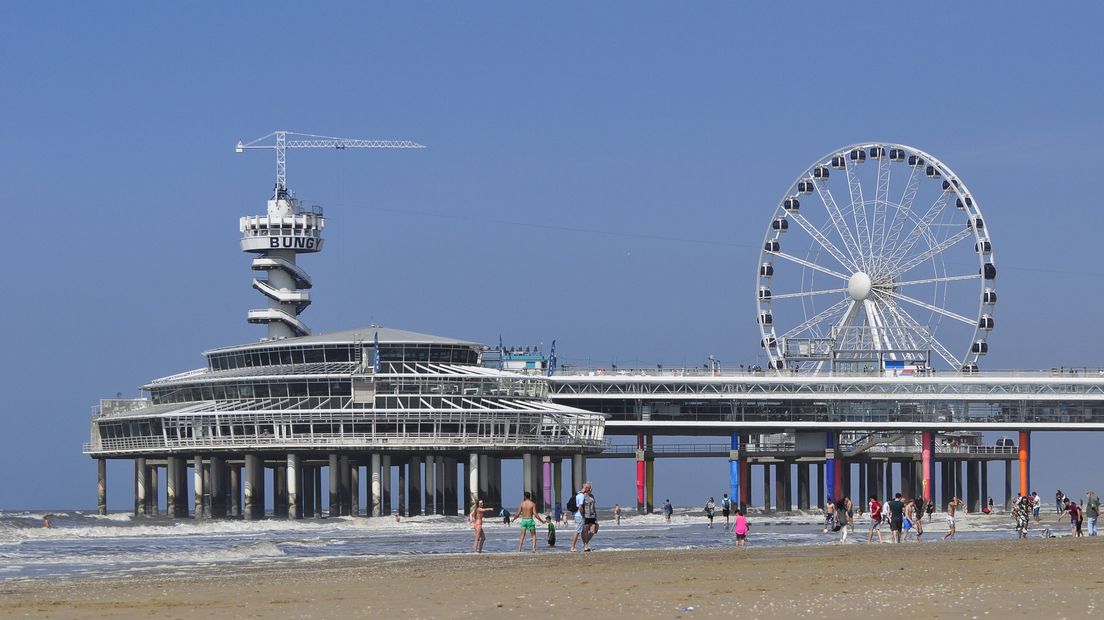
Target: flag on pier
column 376, row 356
column 552, row 359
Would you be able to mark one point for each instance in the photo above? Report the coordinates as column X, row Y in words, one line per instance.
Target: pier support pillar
column 821, row 499
column 546, row 481
column 527, row 475
column 377, row 485
column 334, row 478
column 414, row 488
column 294, row 510
column 197, row 486
column 640, row 473
column 906, row 479
column 174, row 490
column 577, row 479
column 744, row 499
column 766, row 487
column 308, row 491
column 344, row 483
column 153, row 491
column 927, row 451
column 945, row 484
column 141, row 482
column 254, row 482
column 831, row 468
column 218, row 491
column 973, row 499
column 734, row 468
column 1025, row 462
column 451, row 506
column 101, row 486
column 354, row 488
column 235, row 491
column 803, row 486
column 984, row 465
column 429, row 472
column 1008, row 485
column 557, row 488
column 780, row 486
column 439, row 481
column 385, row 478
column 317, row 486
column 401, row 491
column 279, row 490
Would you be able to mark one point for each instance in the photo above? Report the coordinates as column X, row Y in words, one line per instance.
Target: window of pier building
column 279, row 356
column 393, row 356
column 252, row 390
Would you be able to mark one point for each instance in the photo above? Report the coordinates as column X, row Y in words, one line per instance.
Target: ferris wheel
column 867, row 264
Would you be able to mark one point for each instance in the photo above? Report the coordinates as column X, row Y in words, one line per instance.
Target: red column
column 1025, row 461
column 926, row 445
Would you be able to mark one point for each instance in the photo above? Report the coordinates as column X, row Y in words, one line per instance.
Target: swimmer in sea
column 476, row 517
column 526, row 514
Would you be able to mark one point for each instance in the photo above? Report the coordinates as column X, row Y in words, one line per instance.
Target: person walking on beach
column 576, row 502
column 617, row 513
column 726, row 506
column 1021, row 512
column 952, row 505
column 896, row 517
column 1074, row 511
column 476, row 518
column 667, row 509
column 1036, row 505
column 527, row 513
column 1058, row 500
column 710, row 509
column 740, row 529
column 590, row 516
column 875, row 508
column 917, row 524
column 1092, row 511
column 844, row 518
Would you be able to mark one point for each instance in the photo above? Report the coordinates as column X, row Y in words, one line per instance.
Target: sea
column 86, row 545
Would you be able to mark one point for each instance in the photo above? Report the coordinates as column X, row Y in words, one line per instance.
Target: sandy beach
column 1058, row 578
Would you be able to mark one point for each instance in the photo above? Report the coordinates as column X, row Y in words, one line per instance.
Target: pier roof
column 387, row 335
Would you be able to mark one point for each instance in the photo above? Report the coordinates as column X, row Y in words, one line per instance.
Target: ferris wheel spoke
column 876, row 335
column 823, row 241
column 901, row 213
column 932, row 342
column 807, row 294
column 840, row 224
column 842, row 333
column 901, row 333
column 939, row 248
column 920, row 230
column 973, row 276
column 858, row 213
column 881, row 204
column 927, row 306
column 826, row 315
column 805, row 263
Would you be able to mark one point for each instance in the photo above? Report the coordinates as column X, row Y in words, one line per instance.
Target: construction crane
column 309, row 141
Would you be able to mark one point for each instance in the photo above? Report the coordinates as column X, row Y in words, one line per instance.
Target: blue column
column 734, row 470
column 830, row 466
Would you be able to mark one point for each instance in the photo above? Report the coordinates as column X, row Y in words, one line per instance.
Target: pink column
column 925, row 463
column 547, row 478
column 640, row 473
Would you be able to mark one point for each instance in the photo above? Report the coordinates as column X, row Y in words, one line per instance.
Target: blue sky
column 601, row 174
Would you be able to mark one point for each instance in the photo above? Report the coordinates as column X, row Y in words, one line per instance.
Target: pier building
column 851, row 395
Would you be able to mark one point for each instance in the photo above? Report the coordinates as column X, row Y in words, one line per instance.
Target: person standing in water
column 617, row 513
column 875, row 508
column 476, row 517
column 710, row 509
column 667, row 510
column 740, row 529
column 952, row 505
column 526, row 513
column 726, row 506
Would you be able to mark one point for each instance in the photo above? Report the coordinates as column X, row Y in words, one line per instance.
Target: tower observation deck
column 278, row 237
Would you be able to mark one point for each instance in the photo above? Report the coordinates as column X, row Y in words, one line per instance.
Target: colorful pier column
column 546, row 481
column 831, row 471
column 734, row 468
column 927, row 448
column 640, row 472
column 1025, row 462
column 649, row 475
column 101, row 486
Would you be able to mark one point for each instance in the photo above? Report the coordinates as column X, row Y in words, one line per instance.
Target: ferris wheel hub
column 858, row 286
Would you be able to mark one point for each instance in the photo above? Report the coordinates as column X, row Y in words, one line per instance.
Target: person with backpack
column 710, row 508
column 725, row 507
column 574, row 504
column 589, row 509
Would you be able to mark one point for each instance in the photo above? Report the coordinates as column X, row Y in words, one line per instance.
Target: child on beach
column 740, row 529
column 551, row 531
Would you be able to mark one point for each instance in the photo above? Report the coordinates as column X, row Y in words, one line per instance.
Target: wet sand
column 1054, row 578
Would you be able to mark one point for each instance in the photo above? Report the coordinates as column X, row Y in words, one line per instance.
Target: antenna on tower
column 288, row 230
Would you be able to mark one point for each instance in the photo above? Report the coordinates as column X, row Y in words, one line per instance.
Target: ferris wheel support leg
column 1025, row 462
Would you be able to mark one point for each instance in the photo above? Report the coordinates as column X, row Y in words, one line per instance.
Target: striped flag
column 552, row 360
column 376, row 356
